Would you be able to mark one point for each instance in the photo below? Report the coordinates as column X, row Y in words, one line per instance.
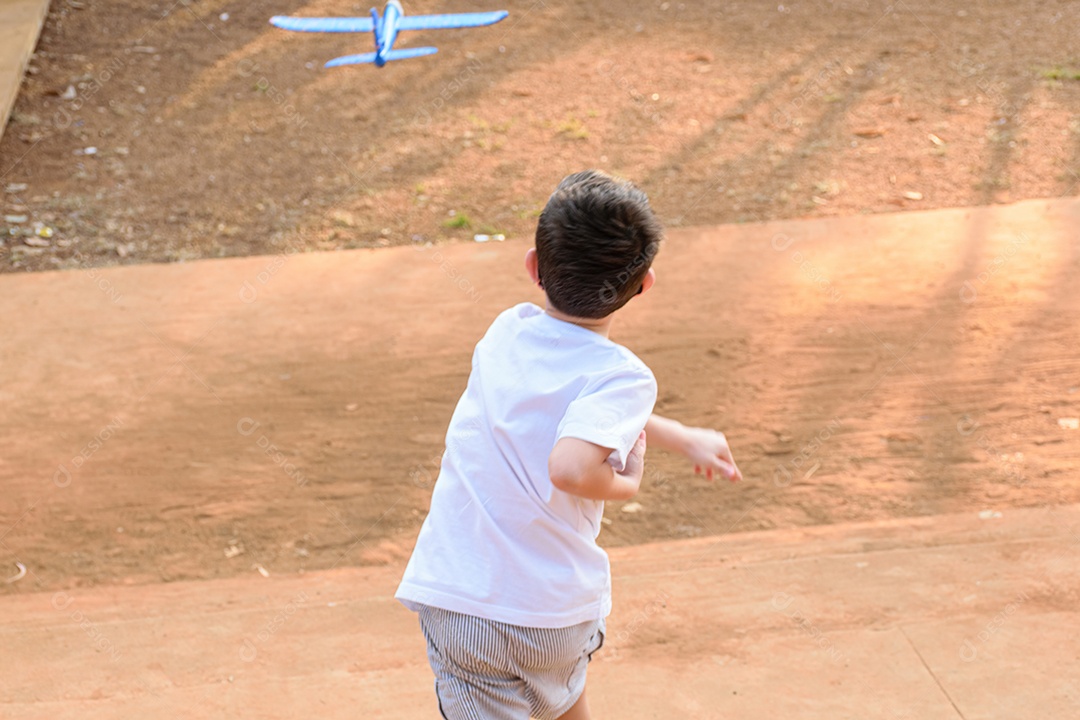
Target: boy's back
column 501, row 542
column 511, row 589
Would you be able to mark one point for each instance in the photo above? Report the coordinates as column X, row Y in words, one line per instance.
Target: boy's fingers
column 729, row 470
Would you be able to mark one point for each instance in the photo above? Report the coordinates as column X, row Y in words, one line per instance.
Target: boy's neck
column 600, row 326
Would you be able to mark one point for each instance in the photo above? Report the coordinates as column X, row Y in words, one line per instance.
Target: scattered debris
column 912, row 195
column 935, row 139
column 223, row 17
column 17, row 576
column 605, row 520
column 989, row 514
column 234, row 550
column 351, row 406
column 1069, row 423
column 70, row 94
column 36, row 241
column 486, row 238
column 15, row 219
column 262, row 571
column 632, row 507
column 871, row 132
column 15, row 188
column 810, row 473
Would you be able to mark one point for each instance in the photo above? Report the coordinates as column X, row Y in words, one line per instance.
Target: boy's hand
column 709, row 450
column 635, row 461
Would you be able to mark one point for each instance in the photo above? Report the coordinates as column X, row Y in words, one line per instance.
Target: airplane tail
column 363, row 58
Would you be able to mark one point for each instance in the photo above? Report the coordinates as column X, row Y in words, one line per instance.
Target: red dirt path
column 864, row 368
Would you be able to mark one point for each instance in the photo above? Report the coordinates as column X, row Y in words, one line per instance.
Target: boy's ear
column 532, row 266
column 648, row 281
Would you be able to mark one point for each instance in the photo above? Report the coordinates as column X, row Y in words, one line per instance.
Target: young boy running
column 510, row 586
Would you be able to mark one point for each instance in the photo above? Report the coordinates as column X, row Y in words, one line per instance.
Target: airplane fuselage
column 386, row 29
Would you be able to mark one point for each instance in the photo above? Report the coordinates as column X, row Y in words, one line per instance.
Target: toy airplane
column 386, row 29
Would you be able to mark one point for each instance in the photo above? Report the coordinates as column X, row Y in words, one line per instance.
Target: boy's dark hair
column 595, row 241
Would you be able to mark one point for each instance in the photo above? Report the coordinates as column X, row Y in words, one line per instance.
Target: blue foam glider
column 386, row 29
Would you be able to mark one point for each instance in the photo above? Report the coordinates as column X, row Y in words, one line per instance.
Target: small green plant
column 572, row 128
column 1060, row 73
column 528, row 213
column 457, row 222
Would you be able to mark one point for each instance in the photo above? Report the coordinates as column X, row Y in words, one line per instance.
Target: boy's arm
column 581, row 468
column 707, row 449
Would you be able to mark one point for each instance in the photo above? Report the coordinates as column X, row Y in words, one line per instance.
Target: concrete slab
column 1011, row 664
column 944, row 617
column 20, row 25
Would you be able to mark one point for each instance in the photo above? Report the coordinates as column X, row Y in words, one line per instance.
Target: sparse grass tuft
column 457, row 222
column 572, row 128
column 529, row 213
column 1060, row 73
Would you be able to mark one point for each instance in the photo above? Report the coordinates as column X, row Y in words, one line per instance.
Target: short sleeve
column 612, row 412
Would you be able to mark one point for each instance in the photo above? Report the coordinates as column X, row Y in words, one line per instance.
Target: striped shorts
column 488, row 670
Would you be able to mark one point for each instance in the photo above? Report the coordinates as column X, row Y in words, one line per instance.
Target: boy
column 510, row 586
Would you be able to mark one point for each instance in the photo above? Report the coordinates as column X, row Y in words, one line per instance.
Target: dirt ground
column 220, row 137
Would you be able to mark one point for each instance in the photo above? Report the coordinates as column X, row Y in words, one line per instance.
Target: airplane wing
column 313, row 24
column 454, row 20
column 392, row 55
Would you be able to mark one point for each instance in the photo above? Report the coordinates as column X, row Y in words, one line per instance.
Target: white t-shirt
column 501, row 542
